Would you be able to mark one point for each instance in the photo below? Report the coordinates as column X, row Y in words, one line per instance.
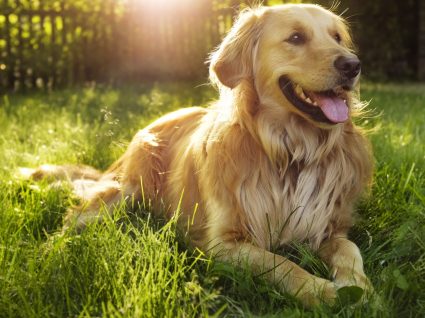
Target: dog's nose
column 349, row 67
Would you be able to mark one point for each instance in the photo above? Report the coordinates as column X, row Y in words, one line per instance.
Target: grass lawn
column 141, row 267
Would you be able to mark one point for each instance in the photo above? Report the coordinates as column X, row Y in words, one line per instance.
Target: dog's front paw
column 316, row 291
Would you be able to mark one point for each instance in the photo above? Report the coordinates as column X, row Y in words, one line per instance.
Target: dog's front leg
column 288, row 276
column 345, row 261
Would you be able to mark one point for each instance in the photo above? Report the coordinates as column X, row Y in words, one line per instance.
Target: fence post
column 32, row 74
column 421, row 41
column 9, row 61
column 53, row 54
column 21, row 69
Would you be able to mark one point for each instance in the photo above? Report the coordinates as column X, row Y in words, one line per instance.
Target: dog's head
column 299, row 57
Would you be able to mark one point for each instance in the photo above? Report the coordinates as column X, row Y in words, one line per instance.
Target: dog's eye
column 296, row 38
column 337, row 38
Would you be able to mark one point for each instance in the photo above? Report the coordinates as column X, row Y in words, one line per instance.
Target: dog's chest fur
column 298, row 199
column 295, row 183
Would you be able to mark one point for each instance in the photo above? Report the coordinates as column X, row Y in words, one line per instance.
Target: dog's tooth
column 308, row 100
column 299, row 90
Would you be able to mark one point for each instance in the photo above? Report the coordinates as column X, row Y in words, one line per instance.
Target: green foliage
column 134, row 266
column 350, row 295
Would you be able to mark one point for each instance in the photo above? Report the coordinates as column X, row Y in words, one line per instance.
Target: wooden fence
column 51, row 43
column 48, row 43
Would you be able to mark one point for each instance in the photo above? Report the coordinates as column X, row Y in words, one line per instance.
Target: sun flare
column 164, row 4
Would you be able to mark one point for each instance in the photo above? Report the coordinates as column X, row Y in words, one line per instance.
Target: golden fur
column 257, row 171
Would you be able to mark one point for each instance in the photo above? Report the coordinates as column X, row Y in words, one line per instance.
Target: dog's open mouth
column 327, row 107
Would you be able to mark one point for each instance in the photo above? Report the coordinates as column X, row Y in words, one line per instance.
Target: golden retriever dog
column 277, row 159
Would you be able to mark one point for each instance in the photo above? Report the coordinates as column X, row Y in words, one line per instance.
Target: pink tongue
column 333, row 107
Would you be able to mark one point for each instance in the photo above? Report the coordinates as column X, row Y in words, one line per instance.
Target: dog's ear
column 233, row 60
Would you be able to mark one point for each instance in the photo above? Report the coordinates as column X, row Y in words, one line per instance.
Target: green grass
column 141, row 267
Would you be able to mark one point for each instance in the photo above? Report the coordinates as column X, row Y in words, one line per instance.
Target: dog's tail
column 60, row 173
